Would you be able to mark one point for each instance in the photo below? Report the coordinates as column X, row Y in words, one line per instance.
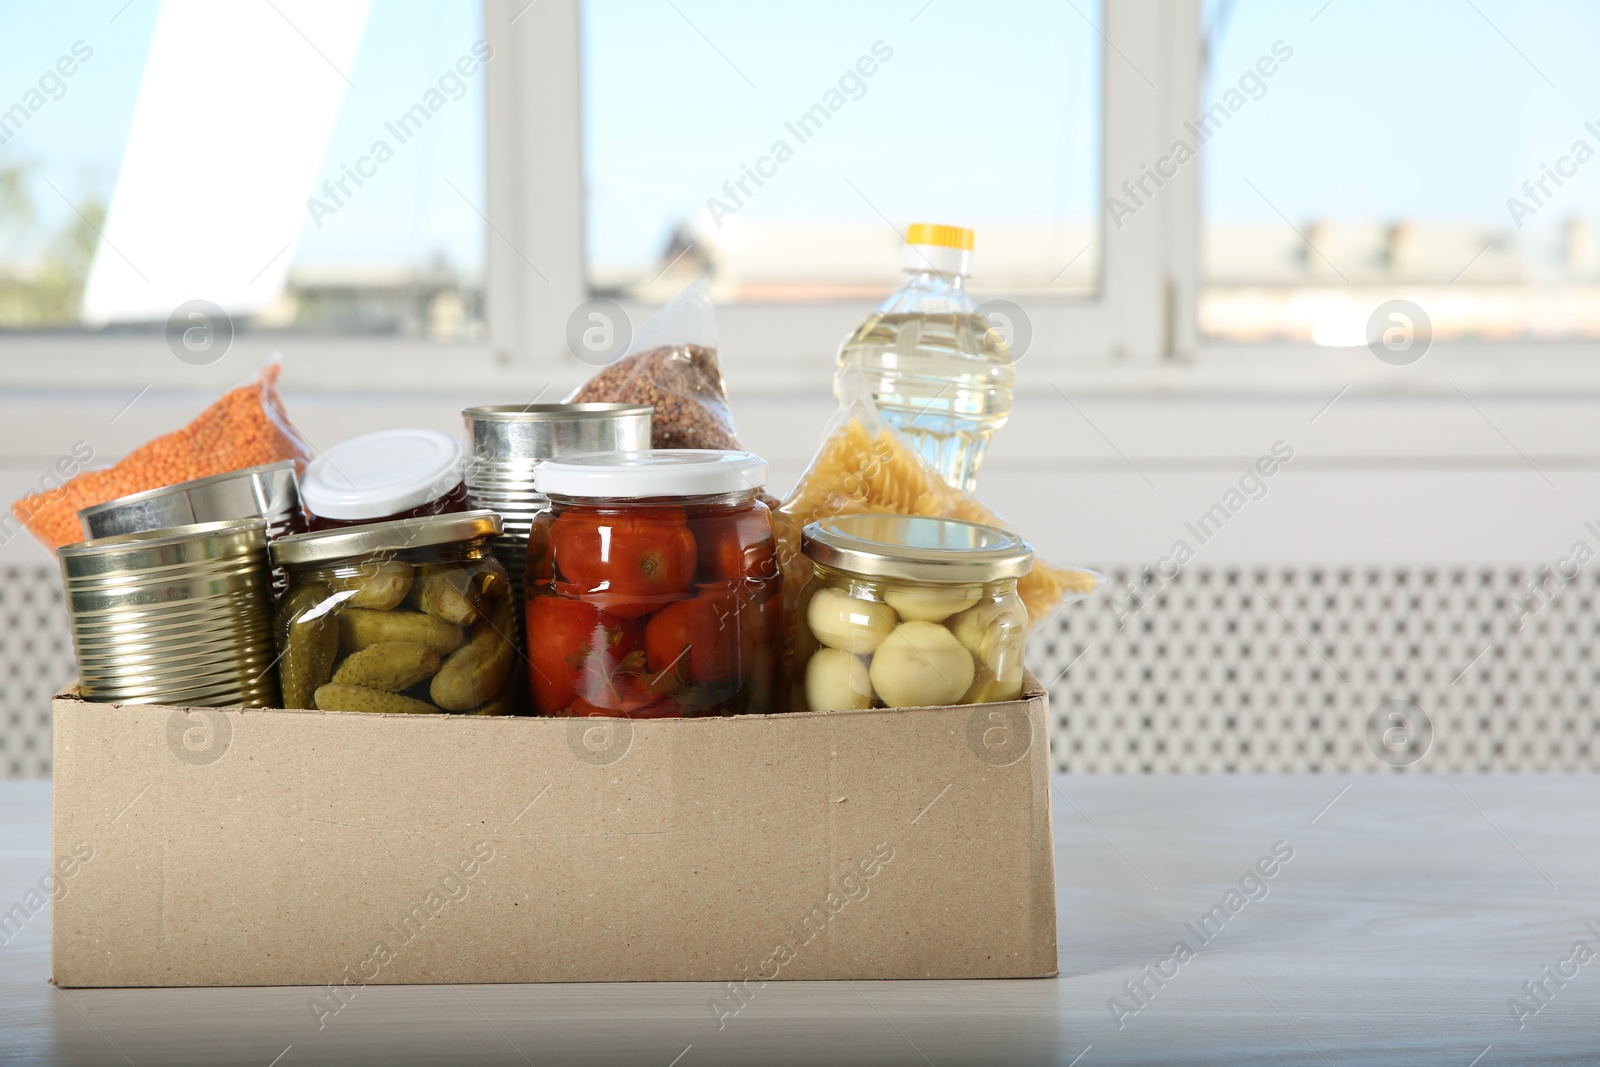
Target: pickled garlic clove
column 837, row 680
column 921, row 663
column 847, row 623
column 923, row 604
column 990, row 622
column 987, row 688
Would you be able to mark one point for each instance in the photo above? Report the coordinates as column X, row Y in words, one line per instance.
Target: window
column 1353, row 153
column 304, row 166
column 1436, row 153
column 784, row 149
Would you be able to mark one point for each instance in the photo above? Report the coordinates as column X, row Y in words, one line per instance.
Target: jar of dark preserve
column 383, row 477
column 652, row 586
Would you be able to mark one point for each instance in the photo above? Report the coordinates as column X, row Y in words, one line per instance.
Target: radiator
column 1213, row 670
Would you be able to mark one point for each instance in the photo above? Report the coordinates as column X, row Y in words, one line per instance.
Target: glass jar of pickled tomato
column 652, row 586
column 905, row 611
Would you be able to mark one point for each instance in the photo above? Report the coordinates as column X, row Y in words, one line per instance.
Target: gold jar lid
column 917, row 548
column 327, row 546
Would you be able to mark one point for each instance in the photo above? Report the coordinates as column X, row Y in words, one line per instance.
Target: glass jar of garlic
column 907, row 611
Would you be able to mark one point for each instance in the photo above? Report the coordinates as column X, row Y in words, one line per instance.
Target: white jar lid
column 651, row 472
column 382, row 474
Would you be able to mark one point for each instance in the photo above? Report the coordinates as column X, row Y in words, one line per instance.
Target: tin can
column 509, row 440
column 269, row 492
column 174, row 616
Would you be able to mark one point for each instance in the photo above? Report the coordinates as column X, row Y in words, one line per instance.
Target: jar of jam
column 405, row 616
column 652, row 586
column 905, row 611
column 385, row 476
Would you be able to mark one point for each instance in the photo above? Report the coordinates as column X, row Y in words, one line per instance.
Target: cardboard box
column 227, row 847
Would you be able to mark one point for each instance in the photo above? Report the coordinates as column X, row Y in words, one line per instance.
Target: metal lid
column 551, row 412
column 123, row 554
column 651, row 472
column 513, row 437
column 917, row 548
column 326, row 546
column 383, row 473
column 243, row 474
column 269, row 490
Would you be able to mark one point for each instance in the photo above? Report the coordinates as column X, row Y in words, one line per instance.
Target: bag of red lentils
column 245, row 428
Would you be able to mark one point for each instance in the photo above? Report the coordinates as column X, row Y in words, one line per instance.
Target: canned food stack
column 611, row 556
column 509, row 440
column 270, row 492
column 175, row 616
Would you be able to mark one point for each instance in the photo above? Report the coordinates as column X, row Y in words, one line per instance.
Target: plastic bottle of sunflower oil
column 937, row 370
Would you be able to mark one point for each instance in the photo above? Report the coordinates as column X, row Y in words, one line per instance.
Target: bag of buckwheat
column 672, row 366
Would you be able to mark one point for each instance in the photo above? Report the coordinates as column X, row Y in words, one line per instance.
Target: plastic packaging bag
column 866, row 466
column 672, row 366
column 246, row 427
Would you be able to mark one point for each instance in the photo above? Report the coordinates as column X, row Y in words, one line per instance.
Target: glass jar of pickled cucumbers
column 905, row 611
column 406, row 616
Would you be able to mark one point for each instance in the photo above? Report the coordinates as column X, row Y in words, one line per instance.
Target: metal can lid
column 917, row 548
column 383, row 473
column 551, row 412
column 651, row 472
column 327, row 546
column 242, row 474
column 133, row 552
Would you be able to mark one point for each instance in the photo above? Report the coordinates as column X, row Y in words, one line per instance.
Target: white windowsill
column 377, row 366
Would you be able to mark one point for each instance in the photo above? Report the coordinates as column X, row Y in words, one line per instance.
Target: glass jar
column 384, row 477
column 405, row 616
column 652, row 586
column 904, row 611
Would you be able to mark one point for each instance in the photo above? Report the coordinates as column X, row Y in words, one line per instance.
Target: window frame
column 1138, row 335
column 1146, row 273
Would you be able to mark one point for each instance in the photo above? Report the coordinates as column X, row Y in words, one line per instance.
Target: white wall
column 1375, row 478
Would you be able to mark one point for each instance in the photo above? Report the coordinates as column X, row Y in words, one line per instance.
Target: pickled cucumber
column 390, row 666
column 338, row 697
column 935, row 604
column 361, row 628
column 479, row 667
column 499, row 704
column 450, row 594
column 379, row 585
column 837, row 680
column 921, row 663
column 847, row 623
column 308, row 647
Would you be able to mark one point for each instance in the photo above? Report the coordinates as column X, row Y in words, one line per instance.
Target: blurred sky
column 987, row 110
column 407, row 215
column 1420, row 108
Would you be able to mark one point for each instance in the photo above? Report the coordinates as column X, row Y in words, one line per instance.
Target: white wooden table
column 1413, row 909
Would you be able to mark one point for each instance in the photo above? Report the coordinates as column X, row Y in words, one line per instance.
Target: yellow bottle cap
column 928, row 233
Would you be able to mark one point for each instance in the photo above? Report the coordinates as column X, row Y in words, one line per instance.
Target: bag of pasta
column 864, row 465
